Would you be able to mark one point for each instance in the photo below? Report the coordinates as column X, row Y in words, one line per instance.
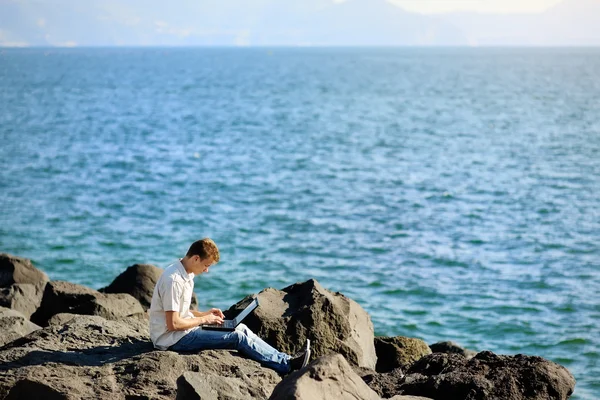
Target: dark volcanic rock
column 399, row 397
column 21, row 284
column 196, row 385
column 22, row 297
column 385, row 384
column 328, row 377
column 91, row 357
column 333, row 322
column 27, row 389
column 139, row 280
column 437, row 363
column 244, row 384
column 61, row 318
column 65, row 297
column 398, row 352
column 14, row 325
column 75, row 359
column 19, row 270
column 488, row 376
column 451, row 347
column 108, row 354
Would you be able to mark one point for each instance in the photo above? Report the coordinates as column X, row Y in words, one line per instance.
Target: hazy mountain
column 283, row 22
column 572, row 22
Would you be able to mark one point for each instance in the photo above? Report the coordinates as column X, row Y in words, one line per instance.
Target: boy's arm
column 171, row 294
column 176, row 323
column 199, row 313
column 214, row 311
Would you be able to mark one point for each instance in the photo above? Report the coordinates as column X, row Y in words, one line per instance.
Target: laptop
column 231, row 324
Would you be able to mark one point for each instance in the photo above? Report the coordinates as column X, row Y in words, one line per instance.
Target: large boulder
column 247, row 382
column 488, row 376
column 386, row 384
column 32, row 389
column 398, row 352
column 14, row 325
column 328, row 377
column 334, row 323
column 19, row 270
column 91, row 357
column 21, row 284
column 22, row 297
column 66, row 297
column 451, row 347
column 139, row 280
column 61, row 318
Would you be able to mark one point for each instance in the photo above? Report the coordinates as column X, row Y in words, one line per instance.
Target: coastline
column 70, row 341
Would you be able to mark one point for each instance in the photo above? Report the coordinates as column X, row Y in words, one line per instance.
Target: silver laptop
column 230, row 324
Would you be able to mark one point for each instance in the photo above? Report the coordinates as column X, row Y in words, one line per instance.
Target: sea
column 454, row 193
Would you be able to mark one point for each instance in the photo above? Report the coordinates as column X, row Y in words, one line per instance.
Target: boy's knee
column 242, row 328
column 238, row 337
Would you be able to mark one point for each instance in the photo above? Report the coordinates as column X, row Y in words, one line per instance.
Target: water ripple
column 455, row 203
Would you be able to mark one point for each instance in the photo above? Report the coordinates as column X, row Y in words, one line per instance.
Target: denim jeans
column 241, row 339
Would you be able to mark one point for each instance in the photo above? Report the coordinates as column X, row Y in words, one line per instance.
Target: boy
column 174, row 326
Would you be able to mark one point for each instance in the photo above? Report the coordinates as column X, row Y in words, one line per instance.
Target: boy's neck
column 184, row 261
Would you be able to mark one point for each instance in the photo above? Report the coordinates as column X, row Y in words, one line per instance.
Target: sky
column 485, row 6
column 68, row 23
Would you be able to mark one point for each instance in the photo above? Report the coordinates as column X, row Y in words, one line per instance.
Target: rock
column 328, row 377
column 22, row 297
column 398, row 397
column 201, row 385
column 437, row 363
column 61, row 318
column 108, row 354
column 488, row 376
column 398, row 352
column 21, row 284
column 14, row 325
column 65, row 297
column 30, row 389
column 191, row 386
column 451, row 347
column 19, row 270
column 333, row 322
column 385, row 384
column 139, row 280
column 92, row 357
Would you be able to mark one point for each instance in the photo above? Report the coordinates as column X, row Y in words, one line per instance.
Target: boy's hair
column 204, row 248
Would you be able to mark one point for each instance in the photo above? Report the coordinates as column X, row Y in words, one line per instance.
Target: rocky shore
column 66, row 341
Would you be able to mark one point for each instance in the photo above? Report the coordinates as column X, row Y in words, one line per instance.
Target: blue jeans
column 241, row 339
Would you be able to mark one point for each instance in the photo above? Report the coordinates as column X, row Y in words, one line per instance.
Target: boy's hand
column 217, row 312
column 212, row 319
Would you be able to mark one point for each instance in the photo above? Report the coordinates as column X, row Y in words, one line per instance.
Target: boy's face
column 200, row 265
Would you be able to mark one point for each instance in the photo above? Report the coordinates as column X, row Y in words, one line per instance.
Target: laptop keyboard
column 225, row 324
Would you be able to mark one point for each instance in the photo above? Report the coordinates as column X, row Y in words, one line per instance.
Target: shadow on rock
column 92, row 357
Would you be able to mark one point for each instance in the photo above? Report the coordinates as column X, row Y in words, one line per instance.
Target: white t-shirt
column 173, row 292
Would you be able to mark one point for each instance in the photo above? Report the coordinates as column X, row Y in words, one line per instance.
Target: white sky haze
column 300, row 23
column 484, row 6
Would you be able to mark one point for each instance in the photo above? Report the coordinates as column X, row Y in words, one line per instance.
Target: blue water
column 454, row 193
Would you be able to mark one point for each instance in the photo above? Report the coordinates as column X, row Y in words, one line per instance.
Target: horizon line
column 292, row 46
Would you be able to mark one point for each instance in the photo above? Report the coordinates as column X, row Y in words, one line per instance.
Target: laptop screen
column 246, row 311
